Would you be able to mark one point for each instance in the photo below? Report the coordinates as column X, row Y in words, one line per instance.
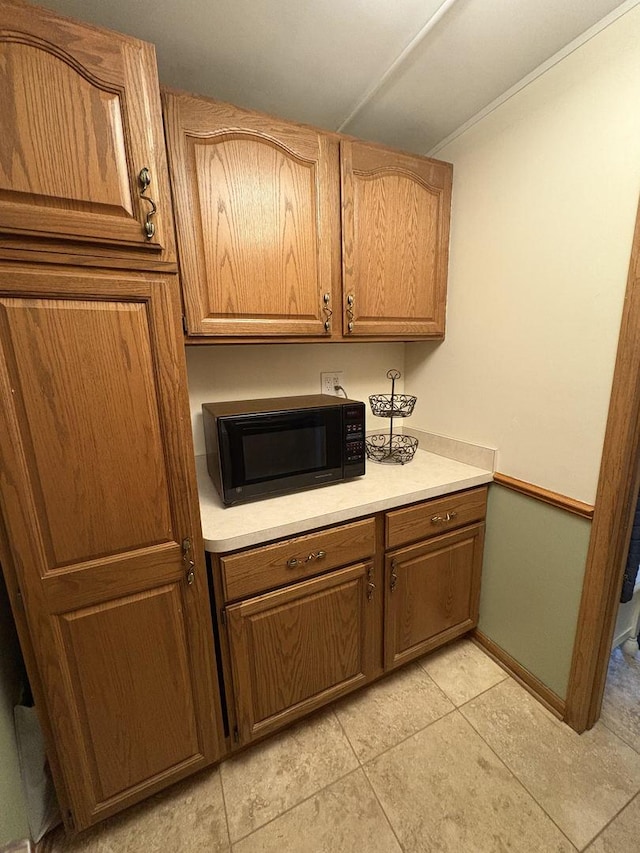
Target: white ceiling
column 404, row 72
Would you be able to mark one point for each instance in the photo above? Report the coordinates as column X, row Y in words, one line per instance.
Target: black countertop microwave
column 263, row 448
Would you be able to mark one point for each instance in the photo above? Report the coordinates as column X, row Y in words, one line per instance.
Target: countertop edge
column 262, row 536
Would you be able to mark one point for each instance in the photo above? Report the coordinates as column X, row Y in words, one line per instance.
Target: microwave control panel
column 354, row 452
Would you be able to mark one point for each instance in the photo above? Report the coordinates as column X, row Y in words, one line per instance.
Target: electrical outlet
column 329, row 380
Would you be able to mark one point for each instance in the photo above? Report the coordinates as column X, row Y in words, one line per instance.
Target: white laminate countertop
column 384, row 486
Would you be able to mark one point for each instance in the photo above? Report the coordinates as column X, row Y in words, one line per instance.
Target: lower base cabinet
column 295, row 649
column 309, row 619
column 432, row 593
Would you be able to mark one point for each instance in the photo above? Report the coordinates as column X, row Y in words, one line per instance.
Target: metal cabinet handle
column 351, row 300
column 294, row 562
column 442, row 519
column 328, row 312
column 370, row 584
column 189, row 564
column 394, row 575
column 144, row 179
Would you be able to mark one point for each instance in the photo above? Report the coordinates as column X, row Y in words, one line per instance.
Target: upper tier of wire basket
column 392, row 405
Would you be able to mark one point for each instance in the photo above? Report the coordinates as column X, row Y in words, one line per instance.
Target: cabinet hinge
column 185, row 328
column 223, row 617
column 236, row 735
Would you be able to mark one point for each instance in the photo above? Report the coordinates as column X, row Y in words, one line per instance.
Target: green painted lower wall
column 13, row 816
column 534, row 562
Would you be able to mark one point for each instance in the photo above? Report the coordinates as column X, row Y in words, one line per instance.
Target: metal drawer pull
column 442, row 519
column 294, row 562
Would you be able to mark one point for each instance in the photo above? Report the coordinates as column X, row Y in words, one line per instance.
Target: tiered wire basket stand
column 390, row 446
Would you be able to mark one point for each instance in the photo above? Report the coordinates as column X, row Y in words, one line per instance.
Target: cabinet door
column 256, row 204
column 97, row 496
column 395, row 242
column 432, row 593
column 294, row 650
column 80, row 119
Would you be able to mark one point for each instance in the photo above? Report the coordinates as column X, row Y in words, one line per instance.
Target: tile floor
column 449, row 754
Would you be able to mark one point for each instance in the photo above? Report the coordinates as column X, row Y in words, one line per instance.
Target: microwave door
column 273, row 448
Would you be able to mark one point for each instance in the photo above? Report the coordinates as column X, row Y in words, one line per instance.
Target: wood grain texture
column 296, row 649
column 580, row 508
column 46, row 343
column 530, row 682
column 395, row 241
column 261, row 569
column 256, row 202
column 432, row 593
column 616, row 495
column 81, row 118
column 430, row 518
column 109, row 424
column 131, row 674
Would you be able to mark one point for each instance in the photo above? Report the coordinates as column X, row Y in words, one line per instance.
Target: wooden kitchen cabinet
column 297, row 648
column 300, row 623
column 395, row 242
column 257, row 217
column 432, row 588
column 99, row 523
column 307, row 619
column 81, row 119
column 257, row 206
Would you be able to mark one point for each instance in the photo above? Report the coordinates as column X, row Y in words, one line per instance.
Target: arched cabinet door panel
column 256, row 205
column 395, row 242
column 98, row 500
column 81, row 120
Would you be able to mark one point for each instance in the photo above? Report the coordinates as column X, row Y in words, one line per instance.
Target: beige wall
column 544, row 200
column 275, row 370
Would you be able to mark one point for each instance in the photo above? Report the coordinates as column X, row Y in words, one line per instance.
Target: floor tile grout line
column 361, row 766
column 618, row 735
column 434, row 682
column 408, row 737
column 524, row 787
column 384, row 811
column 505, row 676
column 299, row 803
column 224, row 805
column 604, row 828
column 343, row 730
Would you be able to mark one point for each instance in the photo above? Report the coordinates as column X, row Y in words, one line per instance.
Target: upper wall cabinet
column 82, row 158
column 257, row 218
column 257, row 207
column 395, row 241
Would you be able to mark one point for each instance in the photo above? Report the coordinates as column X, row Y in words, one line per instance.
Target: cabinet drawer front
column 275, row 565
column 432, row 518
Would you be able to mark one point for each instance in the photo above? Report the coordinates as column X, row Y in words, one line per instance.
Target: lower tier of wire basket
column 398, row 448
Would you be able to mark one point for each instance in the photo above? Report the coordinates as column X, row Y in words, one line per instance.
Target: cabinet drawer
column 271, row 566
column 432, row 518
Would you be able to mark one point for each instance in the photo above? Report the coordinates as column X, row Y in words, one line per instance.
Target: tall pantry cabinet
column 100, row 536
